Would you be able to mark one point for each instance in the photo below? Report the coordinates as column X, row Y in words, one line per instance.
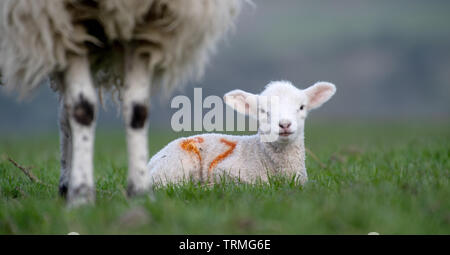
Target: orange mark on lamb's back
column 224, row 155
column 190, row 145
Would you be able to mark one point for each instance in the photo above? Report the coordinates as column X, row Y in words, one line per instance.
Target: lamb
column 133, row 47
column 277, row 148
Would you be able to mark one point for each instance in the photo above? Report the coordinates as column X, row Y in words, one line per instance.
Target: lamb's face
column 281, row 109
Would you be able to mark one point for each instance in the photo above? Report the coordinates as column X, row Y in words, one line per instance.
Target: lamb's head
column 281, row 109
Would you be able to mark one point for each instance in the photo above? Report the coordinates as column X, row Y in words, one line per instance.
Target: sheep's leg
column 65, row 134
column 136, row 96
column 80, row 103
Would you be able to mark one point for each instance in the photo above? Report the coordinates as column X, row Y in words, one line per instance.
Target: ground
column 372, row 177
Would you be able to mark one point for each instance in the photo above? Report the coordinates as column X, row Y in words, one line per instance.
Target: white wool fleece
column 178, row 36
column 209, row 157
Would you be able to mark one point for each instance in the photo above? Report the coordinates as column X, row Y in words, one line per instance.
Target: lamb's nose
column 284, row 124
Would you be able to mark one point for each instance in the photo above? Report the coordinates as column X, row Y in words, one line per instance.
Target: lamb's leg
column 136, row 96
column 80, row 103
column 65, row 134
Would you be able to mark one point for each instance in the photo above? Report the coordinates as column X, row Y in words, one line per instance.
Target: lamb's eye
column 302, row 107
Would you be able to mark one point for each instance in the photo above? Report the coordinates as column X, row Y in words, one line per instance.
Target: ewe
column 277, row 148
column 132, row 45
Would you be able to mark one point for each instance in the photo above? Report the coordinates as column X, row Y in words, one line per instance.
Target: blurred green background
column 381, row 145
column 389, row 60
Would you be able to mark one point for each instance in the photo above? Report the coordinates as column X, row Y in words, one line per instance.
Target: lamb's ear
column 319, row 93
column 243, row 102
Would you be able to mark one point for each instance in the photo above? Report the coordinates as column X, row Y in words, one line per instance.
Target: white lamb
column 209, row 157
column 133, row 45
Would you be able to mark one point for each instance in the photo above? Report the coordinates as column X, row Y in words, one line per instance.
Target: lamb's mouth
column 285, row 133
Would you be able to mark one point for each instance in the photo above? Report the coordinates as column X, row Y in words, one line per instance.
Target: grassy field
column 388, row 178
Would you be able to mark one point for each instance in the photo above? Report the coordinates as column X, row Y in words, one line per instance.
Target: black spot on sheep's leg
column 83, row 112
column 139, row 116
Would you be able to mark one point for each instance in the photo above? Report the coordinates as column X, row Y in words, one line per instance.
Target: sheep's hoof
column 133, row 190
column 80, row 195
column 63, row 189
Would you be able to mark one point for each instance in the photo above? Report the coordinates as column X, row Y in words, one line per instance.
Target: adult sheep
column 132, row 45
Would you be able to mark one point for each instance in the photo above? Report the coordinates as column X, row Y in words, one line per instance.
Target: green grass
column 391, row 179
